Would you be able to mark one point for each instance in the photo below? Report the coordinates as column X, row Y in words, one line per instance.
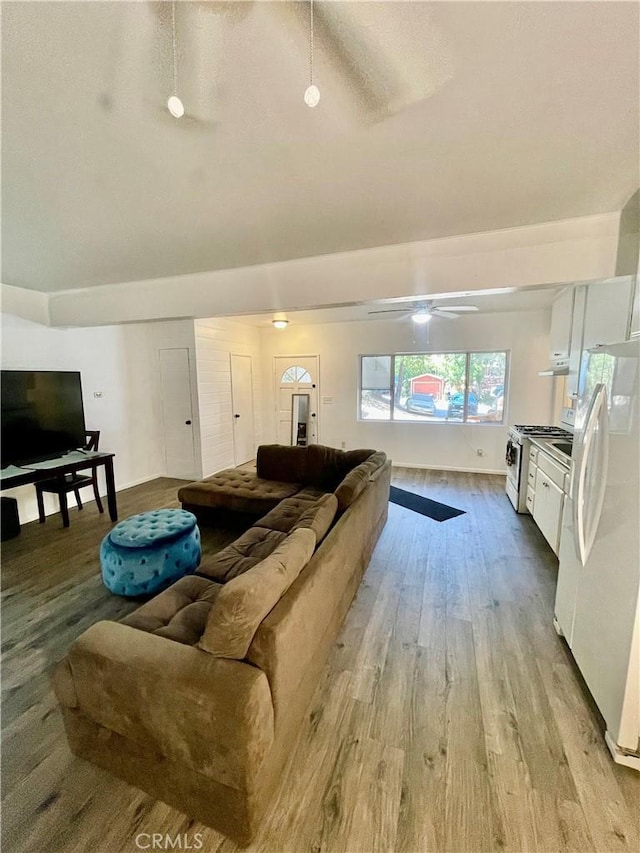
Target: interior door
column 295, row 375
column 177, row 413
column 244, row 442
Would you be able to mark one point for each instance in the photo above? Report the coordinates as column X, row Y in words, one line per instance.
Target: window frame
column 392, row 387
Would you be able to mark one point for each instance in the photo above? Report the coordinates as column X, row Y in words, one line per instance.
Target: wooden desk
column 94, row 460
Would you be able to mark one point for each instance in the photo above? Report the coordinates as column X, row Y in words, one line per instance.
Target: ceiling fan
column 422, row 312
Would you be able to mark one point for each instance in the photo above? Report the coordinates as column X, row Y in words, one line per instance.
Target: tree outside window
column 467, row 387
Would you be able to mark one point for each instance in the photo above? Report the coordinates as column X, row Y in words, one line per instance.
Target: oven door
column 513, row 459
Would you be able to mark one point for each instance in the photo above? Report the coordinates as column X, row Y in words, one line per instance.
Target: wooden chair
column 71, row 483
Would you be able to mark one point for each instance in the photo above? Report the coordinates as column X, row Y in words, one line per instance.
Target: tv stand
column 61, row 467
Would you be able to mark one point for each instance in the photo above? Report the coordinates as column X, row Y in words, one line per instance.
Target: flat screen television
column 42, row 415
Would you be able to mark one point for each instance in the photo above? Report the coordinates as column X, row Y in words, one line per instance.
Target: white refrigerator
column 597, row 605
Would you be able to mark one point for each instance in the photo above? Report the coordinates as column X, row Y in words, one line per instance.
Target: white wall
column 118, row 361
column 436, row 445
column 571, row 250
column 216, row 340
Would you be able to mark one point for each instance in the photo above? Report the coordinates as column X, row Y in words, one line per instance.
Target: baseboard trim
column 460, row 470
column 619, row 756
column 139, row 482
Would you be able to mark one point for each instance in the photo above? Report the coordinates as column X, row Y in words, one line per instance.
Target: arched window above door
column 296, row 374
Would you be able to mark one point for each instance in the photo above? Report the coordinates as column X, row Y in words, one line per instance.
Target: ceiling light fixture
column 421, row 317
column 280, row 324
column 174, row 104
column 312, row 93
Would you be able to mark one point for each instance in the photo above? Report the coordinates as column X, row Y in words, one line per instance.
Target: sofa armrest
column 213, row 715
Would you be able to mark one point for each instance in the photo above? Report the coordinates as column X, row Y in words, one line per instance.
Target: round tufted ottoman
column 148, row 551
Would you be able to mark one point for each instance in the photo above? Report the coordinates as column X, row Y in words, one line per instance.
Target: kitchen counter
column 547, row 445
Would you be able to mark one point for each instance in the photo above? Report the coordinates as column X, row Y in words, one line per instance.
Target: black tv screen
column 42, row 415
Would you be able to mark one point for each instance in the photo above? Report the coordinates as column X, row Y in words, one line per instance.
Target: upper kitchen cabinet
column 561, row 323
column 635, row 311
column 607, row 312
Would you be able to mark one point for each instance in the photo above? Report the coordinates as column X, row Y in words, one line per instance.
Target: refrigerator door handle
column 596, row 421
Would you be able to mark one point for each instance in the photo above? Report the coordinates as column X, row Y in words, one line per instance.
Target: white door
column 244, row 443
column 296, row 375
column 177, row 413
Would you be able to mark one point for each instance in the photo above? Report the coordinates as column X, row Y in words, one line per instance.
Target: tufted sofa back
column 315, row 465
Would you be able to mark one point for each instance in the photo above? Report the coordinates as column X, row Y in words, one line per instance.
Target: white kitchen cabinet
column 607, row 312
column 561, row 324
column 575, row 348
column 635, row 311
column 547, row 508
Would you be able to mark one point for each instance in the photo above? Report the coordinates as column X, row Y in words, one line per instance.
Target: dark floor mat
column 425, row 506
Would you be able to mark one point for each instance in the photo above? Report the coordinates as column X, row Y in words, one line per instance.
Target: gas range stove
column 524, row 430
column 517, row 458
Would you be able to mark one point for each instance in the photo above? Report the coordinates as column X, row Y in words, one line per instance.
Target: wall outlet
column 343, row 444
column 480, row 451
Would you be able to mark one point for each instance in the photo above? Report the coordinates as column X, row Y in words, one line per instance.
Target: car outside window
column 458, row 387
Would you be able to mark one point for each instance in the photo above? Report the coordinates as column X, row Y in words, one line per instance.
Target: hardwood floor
column 449, row 717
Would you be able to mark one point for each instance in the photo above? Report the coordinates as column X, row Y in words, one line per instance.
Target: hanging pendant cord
column 311, row 45
column 175, row 56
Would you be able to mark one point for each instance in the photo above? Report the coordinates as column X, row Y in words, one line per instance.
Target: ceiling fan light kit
column 422, row 312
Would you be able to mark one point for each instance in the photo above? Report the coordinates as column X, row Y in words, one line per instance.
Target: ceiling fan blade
column 462, row 309
column 446, row 315
column 393, row 311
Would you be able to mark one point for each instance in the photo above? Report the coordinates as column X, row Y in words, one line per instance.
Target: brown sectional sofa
column 198, row 695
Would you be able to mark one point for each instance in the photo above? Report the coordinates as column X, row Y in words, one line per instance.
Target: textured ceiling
column 435, row 119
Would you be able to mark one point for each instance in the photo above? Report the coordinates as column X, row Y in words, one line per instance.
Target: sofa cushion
column 319, row 516
column 179, row 613
column 240, row 491
column 242, row 603
column 281, row 462
column 284, row 516
column 356, row 480
column 327, row 466
column 247, row 551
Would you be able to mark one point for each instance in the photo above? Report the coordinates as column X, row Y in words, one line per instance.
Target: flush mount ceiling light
column 280, row 324
column 421, row 317
column 312, row 93
column 174, row 104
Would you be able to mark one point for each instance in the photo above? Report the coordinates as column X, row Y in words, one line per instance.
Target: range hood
column 557, row 368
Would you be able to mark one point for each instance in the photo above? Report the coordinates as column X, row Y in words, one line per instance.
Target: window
column 451, row 387
column 295, row 374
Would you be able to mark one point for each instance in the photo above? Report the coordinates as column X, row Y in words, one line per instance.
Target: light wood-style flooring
column 449, row 717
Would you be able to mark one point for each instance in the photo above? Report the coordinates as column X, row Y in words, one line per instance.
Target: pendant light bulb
column 312, row 93
column 175, row 106
column 312, row 96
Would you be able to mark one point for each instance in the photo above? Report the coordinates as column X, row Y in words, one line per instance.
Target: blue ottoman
column 147, row 552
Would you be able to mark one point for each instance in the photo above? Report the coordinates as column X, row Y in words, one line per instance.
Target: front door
column 177, row 413
column 296, row 375
column 244, row 443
